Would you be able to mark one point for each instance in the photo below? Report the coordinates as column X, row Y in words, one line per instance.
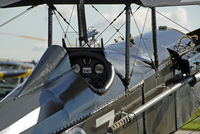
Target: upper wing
column 159, row 3
column 146, row 3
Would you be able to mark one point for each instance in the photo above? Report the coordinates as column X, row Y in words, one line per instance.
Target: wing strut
column 50, row 25
column 82, row 23
column 154, row 37
column 127, row 56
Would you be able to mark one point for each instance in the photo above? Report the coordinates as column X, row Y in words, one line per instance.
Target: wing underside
column 145, row 3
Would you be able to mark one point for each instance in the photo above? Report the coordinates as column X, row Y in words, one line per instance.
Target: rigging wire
column 173, row 21
column 17, row 16
column 141, row 34
column 106, row 20
column 114, row 34
column 121, row 26
column 54, row 8
column 59, row 21
column 111, row 23
column 60, row 24
column 141, row 39
column 68, row 25
column 70, row 17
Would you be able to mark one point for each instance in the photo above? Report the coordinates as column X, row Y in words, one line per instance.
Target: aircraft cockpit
column 92, row 65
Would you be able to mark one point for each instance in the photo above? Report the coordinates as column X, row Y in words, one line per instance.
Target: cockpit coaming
column 92, row 65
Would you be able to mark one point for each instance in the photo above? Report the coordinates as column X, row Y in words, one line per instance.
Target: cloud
column 182, row 16
column 178, row 15
column 110, row 15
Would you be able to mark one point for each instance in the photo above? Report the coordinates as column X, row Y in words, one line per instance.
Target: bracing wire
column 68, row 25
column 54, row 8
column 141, row 39
column 60, row 23
column 70, row 18
column 121, row 27
column 117, row 30
column 173, row 21
column 141, row 34
column 114, row 34
column 111, row 23
column 17, row 16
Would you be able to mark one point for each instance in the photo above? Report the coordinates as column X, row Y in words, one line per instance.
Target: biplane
column 91, row 89
column 12, row 73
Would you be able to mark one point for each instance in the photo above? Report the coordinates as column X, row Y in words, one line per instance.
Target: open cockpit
column 92, row 65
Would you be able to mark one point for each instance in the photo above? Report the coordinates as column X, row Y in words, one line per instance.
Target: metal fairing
column 45, row 66
column 55, row 100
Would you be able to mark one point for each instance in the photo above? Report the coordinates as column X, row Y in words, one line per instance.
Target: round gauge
column 99, row 68
column 76, row 68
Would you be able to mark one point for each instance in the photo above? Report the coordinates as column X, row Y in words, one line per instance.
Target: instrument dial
column 99, row 68
column 76, row 68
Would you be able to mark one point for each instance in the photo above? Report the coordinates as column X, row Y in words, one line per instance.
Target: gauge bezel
column 74, row 68
column 99, row 66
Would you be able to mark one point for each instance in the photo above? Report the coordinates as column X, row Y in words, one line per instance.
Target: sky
column 13, row 45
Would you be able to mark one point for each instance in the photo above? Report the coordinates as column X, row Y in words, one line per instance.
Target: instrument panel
column 93, row 67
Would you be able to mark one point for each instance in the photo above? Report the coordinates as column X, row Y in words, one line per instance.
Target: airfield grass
column 194, row 122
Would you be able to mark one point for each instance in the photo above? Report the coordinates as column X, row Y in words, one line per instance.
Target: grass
column 194, row 122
